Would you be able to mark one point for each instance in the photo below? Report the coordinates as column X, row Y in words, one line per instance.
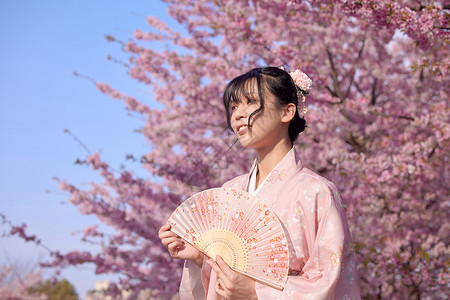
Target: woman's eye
column 251, row 101
column 233, row 107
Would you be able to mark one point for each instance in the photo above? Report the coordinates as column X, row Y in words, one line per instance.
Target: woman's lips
column 242, row 129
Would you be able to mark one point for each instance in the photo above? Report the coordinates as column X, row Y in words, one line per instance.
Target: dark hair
column 278, row 82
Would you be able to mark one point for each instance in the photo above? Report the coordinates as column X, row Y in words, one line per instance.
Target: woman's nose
column 240, row 112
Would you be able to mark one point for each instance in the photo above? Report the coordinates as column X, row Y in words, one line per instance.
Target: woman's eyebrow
column 251, row 95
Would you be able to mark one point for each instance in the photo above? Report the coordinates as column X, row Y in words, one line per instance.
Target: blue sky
column 43, row 43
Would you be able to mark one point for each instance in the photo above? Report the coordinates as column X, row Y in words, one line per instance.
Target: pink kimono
column 322, row 262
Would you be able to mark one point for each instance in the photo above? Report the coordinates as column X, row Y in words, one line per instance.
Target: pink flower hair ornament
column 303, row 85
column 301, row 80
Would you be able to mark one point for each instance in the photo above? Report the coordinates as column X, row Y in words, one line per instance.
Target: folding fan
column 240, row 228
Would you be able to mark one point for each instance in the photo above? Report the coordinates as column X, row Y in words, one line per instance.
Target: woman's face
column 265, row 126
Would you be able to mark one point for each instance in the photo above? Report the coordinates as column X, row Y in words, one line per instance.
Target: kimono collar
column 290, row 164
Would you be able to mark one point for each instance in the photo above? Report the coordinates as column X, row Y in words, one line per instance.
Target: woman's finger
column 225, row 267
column 226, row 283
column 166, row 234
column 175, row 248
column 174, row 245
column 215, row 267
column 169, row 240
column 220, row 291
column 163, row 228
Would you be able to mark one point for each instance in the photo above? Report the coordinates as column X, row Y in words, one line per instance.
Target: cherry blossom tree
column 17, row 279
column 377, row 127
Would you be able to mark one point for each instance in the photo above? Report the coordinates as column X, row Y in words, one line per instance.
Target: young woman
column 262, row 110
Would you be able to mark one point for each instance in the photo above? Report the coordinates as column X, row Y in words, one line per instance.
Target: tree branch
column 352, row 79
column 357, row 144
column 334, row 76
column 373, row 94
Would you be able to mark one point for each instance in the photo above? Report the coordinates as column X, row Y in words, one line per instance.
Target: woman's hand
column 177, row 247
column 230, row 284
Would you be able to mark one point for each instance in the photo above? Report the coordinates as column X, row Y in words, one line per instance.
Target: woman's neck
column 269, row 158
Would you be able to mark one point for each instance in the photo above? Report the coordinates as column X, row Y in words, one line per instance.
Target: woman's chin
column 246, row 142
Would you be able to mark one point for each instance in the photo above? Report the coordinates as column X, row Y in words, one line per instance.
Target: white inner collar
column 252, row 183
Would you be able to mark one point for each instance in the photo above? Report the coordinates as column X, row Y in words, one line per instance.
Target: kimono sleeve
column 191, row 286
column 329, row 270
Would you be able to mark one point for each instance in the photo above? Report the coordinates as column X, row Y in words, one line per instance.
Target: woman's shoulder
column 319, row 190
column 308, row 180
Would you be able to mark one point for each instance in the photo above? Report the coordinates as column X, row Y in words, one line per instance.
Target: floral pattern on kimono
column 321, row 258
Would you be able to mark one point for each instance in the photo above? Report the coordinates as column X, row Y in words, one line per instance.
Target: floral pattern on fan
column 239, row 227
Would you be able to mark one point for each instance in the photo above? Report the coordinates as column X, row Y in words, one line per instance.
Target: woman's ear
column 288, row 113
